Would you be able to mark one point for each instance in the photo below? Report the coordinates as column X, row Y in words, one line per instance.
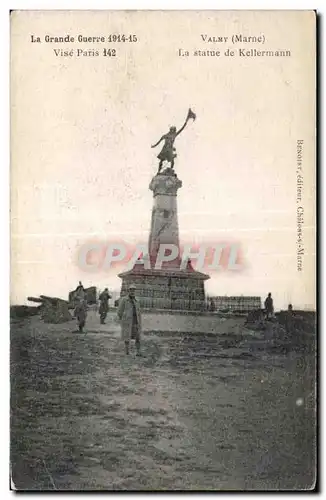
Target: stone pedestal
column 164, row 224
column 170, row 287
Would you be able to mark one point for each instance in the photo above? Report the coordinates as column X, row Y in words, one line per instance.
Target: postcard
column 163, row 250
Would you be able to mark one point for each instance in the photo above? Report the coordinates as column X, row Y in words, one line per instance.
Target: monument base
column 171, row 289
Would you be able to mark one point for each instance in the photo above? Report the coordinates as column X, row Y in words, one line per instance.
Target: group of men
column 128, row 314
column 80, row 299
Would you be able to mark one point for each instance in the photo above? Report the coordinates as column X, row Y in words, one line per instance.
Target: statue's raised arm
column 191, row 115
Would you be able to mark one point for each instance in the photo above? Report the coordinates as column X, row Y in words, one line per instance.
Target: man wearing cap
column 130, row 318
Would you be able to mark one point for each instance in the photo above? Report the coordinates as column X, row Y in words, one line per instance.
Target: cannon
column 35, row 299
column 52, row 309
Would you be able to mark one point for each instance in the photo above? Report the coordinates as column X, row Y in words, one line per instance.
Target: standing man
column 130, row 318
column 289, row 321
column 104, row 305
column 80, row 313
column 269, row 307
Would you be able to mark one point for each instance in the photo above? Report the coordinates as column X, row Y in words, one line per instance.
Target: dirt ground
column 195, row 412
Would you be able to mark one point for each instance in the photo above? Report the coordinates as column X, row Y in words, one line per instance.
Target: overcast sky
column 82, row 130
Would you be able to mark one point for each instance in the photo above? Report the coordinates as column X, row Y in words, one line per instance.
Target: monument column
column 164, row 223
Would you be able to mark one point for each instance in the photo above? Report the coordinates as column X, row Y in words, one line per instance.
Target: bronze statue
column 168, row 151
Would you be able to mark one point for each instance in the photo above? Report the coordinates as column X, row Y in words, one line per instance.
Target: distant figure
column 168, row 153
column 269, row 307
column 289, row 321
column 104, row 305
column 81, row 313
column 212, row 305
column 130, row 318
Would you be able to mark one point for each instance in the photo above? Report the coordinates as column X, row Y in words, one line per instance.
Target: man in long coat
column 130, row 319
